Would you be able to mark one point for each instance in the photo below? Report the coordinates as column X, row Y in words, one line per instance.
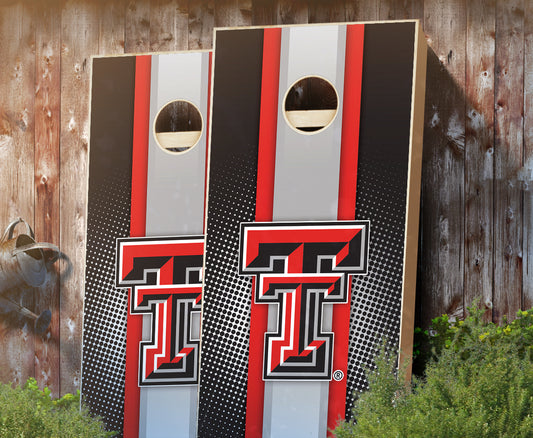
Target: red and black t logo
column 165, row 275
column 299, row 268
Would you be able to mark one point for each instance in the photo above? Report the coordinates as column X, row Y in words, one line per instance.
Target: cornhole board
column 149, row 124
column 312, row 220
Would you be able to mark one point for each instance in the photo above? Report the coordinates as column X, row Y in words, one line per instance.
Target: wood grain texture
column 79, row 40
column 527, row 170
column 363, row 10
column 291, row 12
column 479, row 153
column 263, row 12
column 443, row 174
column 201, row 22
column 324, row 11
column 169, row 25
column 111, row 27
column 137, row 26
column 401, row 9
column 231, row 13
column 47, row 229
column 417, row 8
column 508, row 157
column 387, row 9
column 16, row 172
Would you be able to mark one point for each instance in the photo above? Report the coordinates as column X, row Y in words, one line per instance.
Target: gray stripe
column 307, row 166
column 300, row 409
column 168, row 412
column 175, row 206
column 175, row 188
column 306, row 187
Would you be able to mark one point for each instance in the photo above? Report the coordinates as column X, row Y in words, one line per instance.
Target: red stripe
column 166, row 273
column 353, row 72
column 266, row 158
column 263, row 212
column 346, row 208
column 137, row 229
column 139, row 165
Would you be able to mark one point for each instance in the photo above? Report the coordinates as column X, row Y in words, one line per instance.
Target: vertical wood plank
column 409, row 9
column 362, row 10
column 387, row 9
column 47, row 229
column 111, row 27
column 201, row 22
column 332, row 11
column 417, row 9
column 445, row 24
column 509, row 95
column 169, row 25
column 291, row 12
column 79, row 40
column 401, row 9
column 479, row 152
column 443, row 173
column 527, row 173
column 137, row 26
column 232, row 13
column 263, row 12
column 16, row 172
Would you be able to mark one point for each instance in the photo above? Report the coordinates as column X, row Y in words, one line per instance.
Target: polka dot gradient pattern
column 227, row 301
column 105, row 306
column 376, row 297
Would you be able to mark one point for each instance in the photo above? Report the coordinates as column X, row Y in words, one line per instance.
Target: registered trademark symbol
column 338, row 375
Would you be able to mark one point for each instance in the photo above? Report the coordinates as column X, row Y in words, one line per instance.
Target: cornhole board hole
column 149, row 124
column 312, row 221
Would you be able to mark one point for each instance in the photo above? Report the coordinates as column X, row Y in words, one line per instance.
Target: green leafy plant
column 479, row 383
column 29, row 412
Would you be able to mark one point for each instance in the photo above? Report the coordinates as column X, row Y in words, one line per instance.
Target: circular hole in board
column 178, row 126
column 310, row 105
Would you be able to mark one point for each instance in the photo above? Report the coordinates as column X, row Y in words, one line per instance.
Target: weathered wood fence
column 477, row 206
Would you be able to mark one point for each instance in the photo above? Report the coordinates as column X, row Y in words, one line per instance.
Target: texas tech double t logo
column 165, row 275
column 300, row 267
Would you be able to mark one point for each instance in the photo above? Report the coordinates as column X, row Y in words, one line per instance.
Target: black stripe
column 108, row 217
column 386, row 93
column 232, row 190
column 236, row 94
column 113, row 86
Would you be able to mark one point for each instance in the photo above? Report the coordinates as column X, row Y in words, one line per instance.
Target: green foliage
column 478, row 384
column 29, row 412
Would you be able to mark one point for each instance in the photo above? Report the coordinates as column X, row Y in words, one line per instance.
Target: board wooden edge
column 414, row 179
